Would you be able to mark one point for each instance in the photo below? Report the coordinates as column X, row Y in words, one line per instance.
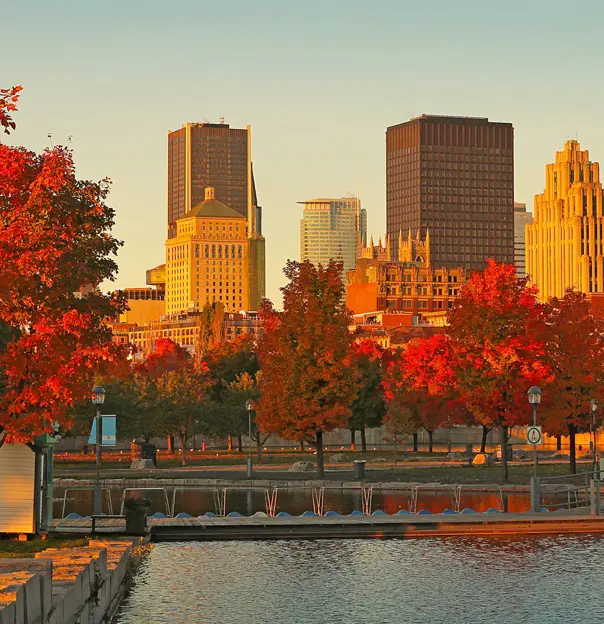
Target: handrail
column 87, row 489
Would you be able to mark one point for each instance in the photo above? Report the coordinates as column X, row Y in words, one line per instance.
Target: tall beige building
column 565, row 242
column 521, row 219
column 208, row 259
column 333, row 229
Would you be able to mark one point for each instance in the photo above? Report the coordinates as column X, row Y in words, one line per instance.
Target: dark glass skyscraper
column 453, row 177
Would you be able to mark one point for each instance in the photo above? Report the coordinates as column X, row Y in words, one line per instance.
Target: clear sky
column 318, row 80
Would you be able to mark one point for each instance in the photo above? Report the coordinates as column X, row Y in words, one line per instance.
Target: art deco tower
column 564, row 244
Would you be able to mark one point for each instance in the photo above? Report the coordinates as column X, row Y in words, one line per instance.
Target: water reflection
column 295, row 501
column 504, row 580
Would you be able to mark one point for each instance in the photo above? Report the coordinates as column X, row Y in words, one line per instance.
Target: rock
column 379, row 459
column 302, row 466
column 518, row 454
column 455, row 455
column 560, row 456
column 142, row 464
column 482, row 459
column 338, row 458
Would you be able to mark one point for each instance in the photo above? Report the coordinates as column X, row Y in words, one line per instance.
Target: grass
column 14, row 548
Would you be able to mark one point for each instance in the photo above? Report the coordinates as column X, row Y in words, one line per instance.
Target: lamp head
column 98, row 395
column 594, row 405
column 249, row 405
column 534, row 395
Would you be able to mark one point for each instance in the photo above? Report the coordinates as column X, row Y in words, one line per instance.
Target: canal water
column 447, row 580
column 196, row 501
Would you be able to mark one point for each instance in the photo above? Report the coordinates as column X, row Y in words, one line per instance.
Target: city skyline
column 274, row 87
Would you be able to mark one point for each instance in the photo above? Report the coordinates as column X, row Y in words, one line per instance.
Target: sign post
column 534, row 436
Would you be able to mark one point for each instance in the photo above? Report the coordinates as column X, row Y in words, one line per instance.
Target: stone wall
column 65, row 586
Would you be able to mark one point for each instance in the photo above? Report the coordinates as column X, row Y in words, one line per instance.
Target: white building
column 521, row 219
column 333, row 229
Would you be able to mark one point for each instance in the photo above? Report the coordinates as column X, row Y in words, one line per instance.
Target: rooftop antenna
column 221, row 119
column 49, row 135
column 69, row 139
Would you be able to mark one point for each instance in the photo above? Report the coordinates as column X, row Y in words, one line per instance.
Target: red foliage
column 8, row 105
column 55, row 244
column 167, row 356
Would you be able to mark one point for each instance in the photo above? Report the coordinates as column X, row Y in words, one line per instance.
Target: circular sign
column 534, row 435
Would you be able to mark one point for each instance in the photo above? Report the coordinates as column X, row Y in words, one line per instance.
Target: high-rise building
column 453, row 176
column 333, row 229
column 565, row 242
column 202, row 155
column 206, row 155
column 208, row 259
column 521, row 218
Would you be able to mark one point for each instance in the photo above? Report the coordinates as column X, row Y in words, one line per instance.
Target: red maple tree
column 307, row 383
column 494, row 328
column 55, row 250
column 8, row 105
column 574, row 347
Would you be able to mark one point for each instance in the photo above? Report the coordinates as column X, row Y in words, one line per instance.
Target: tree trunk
column 170, row 443
column 183, row 444
column 430, row 441
column 239, row 444
column 353, row 441
column 302, row 445
column 363, row 440
column 483, row 443
column 415, row 442
column 504, row 453
column 558, row 442
column 572, row 449
column 320, row 459
column 230, row 443
column 259, row 449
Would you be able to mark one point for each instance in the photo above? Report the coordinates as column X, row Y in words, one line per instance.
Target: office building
column 564, row 244
column 521, row 219
column 208, row 259
column 333, row 229
column 453, row 176
column 404, row 284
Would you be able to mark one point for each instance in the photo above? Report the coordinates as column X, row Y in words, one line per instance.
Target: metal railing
column 87, row 489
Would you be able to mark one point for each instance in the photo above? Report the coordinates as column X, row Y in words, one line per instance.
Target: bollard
column 535, row 495
column 359, row 469
column 595, row 497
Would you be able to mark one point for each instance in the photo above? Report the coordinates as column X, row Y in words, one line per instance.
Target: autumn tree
column 8, row 105
column 493, row 326
column 184, row 400
column 56, row 249
column 308, row 381
column 574, row 349
column 368, row 408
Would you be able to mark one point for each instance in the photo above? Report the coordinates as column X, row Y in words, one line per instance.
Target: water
column 503, row 580
column 296, row 501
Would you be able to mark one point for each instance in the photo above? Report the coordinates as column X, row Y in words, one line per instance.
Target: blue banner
column 108, row 431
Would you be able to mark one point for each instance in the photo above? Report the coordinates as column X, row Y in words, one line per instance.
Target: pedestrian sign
column 534, row 435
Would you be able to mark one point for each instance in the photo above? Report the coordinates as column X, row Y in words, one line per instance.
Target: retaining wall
column 65, row 586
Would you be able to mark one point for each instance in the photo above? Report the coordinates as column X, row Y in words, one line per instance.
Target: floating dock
column 384, row 526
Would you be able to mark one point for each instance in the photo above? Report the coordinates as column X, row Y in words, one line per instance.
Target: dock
column 352, row 527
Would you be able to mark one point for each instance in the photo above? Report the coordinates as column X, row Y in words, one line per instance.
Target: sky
column 319, row 81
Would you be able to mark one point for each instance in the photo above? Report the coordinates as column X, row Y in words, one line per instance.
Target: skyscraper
column 453, row 177
column 206, row 155
column 521, row 218
column 207, row 260
column 565, row 242
column 202, row 155
column 333, row 229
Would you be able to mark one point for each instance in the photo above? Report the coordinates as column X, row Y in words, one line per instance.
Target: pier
column 381, row 526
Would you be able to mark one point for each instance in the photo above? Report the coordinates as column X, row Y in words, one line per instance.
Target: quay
column 382, row 526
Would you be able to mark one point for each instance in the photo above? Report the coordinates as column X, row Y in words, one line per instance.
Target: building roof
column 211, row 207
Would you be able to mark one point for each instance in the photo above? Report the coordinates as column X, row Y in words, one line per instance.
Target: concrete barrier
column 65, row 586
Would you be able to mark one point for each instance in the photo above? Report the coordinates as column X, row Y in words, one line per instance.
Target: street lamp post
column 98, row 397
column 594, row 410
column 249, row 406
column 534, row 398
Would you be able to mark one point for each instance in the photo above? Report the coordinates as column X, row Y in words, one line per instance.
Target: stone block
column 13, row 594
column 39, row 566
column 142, row 464
column 302, row 466
column 338, row 458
